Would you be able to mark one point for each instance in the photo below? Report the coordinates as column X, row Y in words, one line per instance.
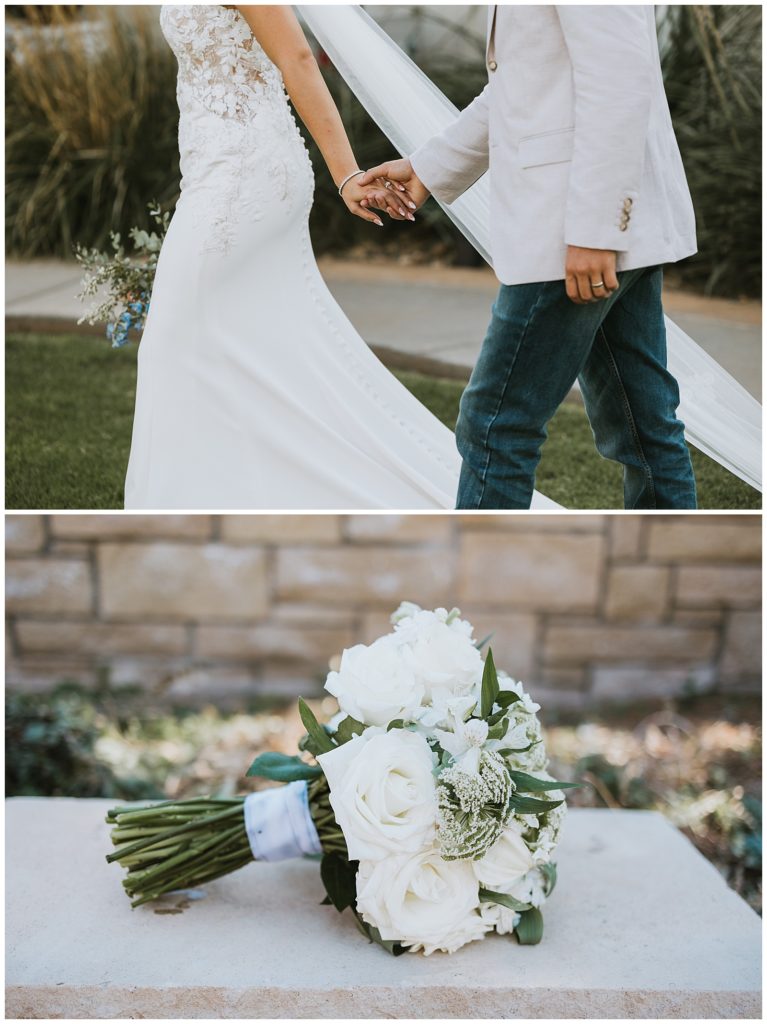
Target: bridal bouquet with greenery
column 122, row 284
column 426, row 798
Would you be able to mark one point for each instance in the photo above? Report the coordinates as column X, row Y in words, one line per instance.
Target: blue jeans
column 537, row 345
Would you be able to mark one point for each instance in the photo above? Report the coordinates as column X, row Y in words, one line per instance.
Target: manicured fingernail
column 379, row 223
column 410, row 217
column 401, row 188
column 412, row 206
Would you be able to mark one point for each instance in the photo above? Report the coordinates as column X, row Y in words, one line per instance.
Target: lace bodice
column 220, row 64
column 236, row 127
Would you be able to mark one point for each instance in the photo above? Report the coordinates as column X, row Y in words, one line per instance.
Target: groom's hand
column 401, row 173
column 589, row 274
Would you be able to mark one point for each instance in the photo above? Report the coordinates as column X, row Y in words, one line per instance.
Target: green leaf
column 490, row 687
column 508, row 751
column 549, row 872
column 527, row 805
column 529, row 784
column 488, row 896
column 339, row 876
column 507, row 697
column 496, row 717
column 320, row 743
column 347, row 728
column 396, row 723
column 395, row 948
column 498, row 730
column 481, row 643
column 530, row 928
column 283, row 768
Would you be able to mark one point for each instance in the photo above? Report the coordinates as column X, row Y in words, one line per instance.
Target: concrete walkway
column 427, row 318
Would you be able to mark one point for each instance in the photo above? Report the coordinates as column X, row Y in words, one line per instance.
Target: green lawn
column 69, row 408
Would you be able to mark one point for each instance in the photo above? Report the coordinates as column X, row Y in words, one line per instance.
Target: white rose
column 506, row 863
column 422, row 901
column 382, row 792
column 374, row 684
column 441, row 654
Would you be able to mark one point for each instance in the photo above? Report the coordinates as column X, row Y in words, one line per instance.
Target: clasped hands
column 395, row 188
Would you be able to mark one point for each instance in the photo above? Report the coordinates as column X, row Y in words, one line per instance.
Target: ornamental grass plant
column 91, row 123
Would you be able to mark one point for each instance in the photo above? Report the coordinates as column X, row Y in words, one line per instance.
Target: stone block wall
column 223, row 608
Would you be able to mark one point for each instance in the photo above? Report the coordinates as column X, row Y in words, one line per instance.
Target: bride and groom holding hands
column 254, row 389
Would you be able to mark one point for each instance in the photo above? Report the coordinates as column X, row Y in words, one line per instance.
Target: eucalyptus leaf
column 530, row 928
column 347, row 728
column 490, row 687
column 397, row 723
column 529, row 784
column 528, row 805
column 488, row 896
column 320, row 741
column 283, row 768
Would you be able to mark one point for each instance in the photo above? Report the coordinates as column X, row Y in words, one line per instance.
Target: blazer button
column 493, row 65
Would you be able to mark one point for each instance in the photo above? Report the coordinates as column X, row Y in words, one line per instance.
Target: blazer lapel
column 492, row 10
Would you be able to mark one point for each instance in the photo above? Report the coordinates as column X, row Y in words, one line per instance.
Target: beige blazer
column 575, row 130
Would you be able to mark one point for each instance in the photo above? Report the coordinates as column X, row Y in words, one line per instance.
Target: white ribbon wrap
column 279, row 823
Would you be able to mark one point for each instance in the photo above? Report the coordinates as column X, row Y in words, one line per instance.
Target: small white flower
column 464, row 742
column 502, row 919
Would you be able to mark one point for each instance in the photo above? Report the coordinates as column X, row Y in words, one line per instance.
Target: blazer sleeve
column 612, row 57
column 451, row 162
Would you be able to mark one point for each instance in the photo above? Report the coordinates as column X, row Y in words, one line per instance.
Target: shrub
column 50, row 748
column 712, row 70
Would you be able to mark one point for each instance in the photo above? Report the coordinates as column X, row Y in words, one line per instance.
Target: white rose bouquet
column 427, row 799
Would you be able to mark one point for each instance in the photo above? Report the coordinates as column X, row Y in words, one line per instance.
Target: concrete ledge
column 641, row 926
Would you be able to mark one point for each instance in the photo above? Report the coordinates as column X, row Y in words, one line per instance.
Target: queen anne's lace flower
column 473, row 807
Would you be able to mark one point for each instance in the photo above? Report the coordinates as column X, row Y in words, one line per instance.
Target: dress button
column 492, row 65
column 623, row 226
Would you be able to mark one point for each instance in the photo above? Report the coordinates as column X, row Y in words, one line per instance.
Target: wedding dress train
column 254, row 390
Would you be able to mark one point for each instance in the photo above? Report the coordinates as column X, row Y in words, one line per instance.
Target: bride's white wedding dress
column 254, row 390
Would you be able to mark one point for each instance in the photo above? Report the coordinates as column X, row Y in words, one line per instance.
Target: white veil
column 721, row 418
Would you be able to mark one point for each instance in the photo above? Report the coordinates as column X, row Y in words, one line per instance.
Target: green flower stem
column 182, row 844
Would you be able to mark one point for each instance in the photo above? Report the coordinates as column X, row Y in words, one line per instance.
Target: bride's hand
column 359, row 199
column 400, row 174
